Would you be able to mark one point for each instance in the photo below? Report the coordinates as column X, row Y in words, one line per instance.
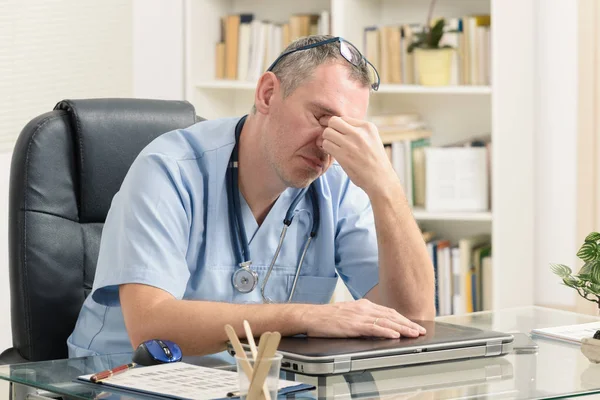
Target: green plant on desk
column 587, row 281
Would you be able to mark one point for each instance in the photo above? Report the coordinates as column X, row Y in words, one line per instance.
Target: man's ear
column 267, row 87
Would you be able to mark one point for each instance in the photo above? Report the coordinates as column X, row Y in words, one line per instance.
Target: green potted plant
column 587, row 285
column 433, row 61
column 587, row 281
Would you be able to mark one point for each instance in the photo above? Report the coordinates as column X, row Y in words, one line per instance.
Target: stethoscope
column 245, row 278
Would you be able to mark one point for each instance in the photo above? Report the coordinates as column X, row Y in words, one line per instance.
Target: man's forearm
column 406, row 279
column 198, row 326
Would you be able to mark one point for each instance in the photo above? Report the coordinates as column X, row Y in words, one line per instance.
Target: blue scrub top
column 168, row 227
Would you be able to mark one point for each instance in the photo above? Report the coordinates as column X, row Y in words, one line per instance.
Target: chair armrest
column 11, row 356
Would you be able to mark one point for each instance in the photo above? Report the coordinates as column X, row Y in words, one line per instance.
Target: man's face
column 292, row 136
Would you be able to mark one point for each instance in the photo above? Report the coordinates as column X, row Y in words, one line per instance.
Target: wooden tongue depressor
column 239, row 350
column 254, row 351
column 262, row 364
column 250, row 338
column 246, row 366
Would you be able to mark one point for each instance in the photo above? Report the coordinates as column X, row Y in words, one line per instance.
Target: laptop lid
column 443, row 342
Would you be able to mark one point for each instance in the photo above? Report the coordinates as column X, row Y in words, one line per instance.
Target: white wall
column 5, row 333
column 155, row 58
column 51, row 51
column 158, row 49
column 556, row 147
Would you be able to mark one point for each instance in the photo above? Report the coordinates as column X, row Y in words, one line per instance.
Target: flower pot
column 433, row 66
column 590, row 348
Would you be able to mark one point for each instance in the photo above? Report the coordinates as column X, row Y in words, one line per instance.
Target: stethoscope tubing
column 237, row 227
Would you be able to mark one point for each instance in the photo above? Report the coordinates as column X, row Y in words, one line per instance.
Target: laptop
column 438, row 379
column 443, row 342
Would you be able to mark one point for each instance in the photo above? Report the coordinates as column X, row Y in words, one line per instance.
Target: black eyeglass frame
column 343, row 42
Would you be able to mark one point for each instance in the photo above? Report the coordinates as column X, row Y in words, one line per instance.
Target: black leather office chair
column 66, row 167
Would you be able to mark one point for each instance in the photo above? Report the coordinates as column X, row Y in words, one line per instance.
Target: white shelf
column 391, row 88
column 424, row 215
column 384, row 88
column 226, row 84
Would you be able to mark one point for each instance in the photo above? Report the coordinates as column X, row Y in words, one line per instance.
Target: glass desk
column 557, row 370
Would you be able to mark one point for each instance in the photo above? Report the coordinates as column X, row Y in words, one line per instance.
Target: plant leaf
column 585, row 277
column 592, row 237
column 587, row 268
column 576, row 282
column 561, row 270
column 571, row 281
column 588, row 251
column 436, row 33
column 595, row 272
column 593, row 288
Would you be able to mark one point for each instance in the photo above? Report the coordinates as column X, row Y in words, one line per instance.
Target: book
column 184, row 381
column 569, row 333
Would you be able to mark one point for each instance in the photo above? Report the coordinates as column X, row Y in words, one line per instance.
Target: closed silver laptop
column 443, row 342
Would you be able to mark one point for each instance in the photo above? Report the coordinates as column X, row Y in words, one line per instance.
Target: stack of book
column 454, row 177
column 248, row 45
column 463, row 273
column 405, row 137
column 387, row 48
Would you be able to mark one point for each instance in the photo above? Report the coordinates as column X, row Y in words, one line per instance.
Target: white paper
column 180, row 380
column 569, row 333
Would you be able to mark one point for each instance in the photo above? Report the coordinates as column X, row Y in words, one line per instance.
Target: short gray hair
column 294, row 69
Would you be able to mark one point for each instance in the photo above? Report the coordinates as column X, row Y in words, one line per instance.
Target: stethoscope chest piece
column 245, row 279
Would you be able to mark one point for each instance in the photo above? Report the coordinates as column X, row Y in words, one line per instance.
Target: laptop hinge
column 493, row 348
column 341, row 365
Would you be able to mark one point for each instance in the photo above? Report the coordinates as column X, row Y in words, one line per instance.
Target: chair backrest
column 66, row 167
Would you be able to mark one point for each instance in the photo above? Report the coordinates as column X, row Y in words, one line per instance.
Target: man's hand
column 357, row 318
column 357, row 146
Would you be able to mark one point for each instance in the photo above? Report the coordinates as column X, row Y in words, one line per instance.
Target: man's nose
column 319, row 136
column 320, row 140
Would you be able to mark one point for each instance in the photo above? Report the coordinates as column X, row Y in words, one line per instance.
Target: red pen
column 110, row 372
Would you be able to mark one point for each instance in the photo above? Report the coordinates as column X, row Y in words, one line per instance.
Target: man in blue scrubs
column 170, row 252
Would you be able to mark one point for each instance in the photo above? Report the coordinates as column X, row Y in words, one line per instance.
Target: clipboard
column 183, row 381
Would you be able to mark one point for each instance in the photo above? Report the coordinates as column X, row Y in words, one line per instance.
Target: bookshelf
column 421, row 214
column 505, row 109
column 384, row 88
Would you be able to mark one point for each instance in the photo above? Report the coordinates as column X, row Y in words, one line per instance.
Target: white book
column 447, row 279
column 456, row 179
column 257, row 52
column 268, row 57
column 324, row 22
column 444, row 280
column 487, row 283
column 244, row 50
column 453, row 39
column 399, row 164
column 458, row 302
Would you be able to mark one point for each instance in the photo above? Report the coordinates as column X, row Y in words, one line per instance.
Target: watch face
column 245, row 280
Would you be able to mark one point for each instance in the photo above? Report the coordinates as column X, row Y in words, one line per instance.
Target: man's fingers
column 353, row 121
column 324, row 121
column 337, row 138
column 395, row 316
column 331, row 148
column 402, row 329
column 340, row 125
column 384, row 325
column 378, row 330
